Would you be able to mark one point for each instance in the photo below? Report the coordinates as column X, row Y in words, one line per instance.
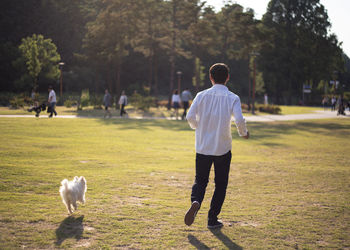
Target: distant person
column 333, row 103
column 341, row 106
column 210, row 115
column 186, row 96
column 107, row 102
column 175, row 102
column 33, row 96
column 266, row 99
column 123, row 101
column 325, row 102
column 52, row 102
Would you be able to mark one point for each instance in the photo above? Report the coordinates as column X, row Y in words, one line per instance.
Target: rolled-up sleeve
column 239, row 119
column 191, row 116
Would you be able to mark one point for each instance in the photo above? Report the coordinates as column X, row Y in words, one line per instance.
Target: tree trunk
column 172, row 55
column 109, row 79
column 150, row 75
column 117, row 85
column 196, row 74
column 155, row 68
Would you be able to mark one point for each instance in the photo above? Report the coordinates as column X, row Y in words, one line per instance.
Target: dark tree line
column 137, row 44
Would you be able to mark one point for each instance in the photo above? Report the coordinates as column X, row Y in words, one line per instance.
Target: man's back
column 52, row 96
column 210, row 114
column 186, row 96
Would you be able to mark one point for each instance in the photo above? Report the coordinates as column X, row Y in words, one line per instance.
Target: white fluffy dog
column 73, row 191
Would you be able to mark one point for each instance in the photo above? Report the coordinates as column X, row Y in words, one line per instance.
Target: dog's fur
column 73, row 192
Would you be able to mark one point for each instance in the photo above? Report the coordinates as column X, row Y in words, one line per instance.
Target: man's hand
column 246, row 136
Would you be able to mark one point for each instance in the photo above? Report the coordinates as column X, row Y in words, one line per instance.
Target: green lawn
column 289, row 185
column 290, row 110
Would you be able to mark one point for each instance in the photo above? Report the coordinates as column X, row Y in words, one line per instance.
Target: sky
column 338, row 11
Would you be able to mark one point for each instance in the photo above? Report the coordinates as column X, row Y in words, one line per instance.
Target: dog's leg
column 69, row 208
column 75, row 205
column 83, row 199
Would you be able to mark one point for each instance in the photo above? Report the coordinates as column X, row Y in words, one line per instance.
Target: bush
column 69, row 103
column 142, row 102
column 84, row 99
column 17, row 102
column 271, row 109
column 162, row 103
column 244, row 106
column 5, row 98
column 96, row 101
column 347, row 96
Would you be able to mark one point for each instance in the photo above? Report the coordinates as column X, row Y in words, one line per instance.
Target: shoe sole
column 191, row 213
column 220, row 225
column 215, row 227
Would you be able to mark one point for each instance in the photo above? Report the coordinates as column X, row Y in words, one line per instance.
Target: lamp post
column 255, row 54
column 60, row 66
column 335, row 80
column 179, row 73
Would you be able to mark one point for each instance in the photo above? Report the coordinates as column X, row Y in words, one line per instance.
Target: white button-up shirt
column 210, row 115
column 52, row 95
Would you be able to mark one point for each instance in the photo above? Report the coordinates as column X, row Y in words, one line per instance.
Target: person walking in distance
column 52, row 101
column 186, row 96
column 123, row 101
column 333, row 103
column 175, row 102
column 107, row 102
column 210, row 115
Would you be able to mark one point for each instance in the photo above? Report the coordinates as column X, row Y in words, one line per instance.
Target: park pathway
column 319, row 114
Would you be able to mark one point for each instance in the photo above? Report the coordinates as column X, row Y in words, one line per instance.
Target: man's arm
column 192, row 114
column 239, row 119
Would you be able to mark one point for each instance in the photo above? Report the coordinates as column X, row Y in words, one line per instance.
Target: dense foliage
column 130, row 45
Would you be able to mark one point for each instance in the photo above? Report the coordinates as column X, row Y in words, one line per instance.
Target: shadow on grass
column 196, row 243
column 225, row 240
column 70, row 227
column 259, row 132
column 147, row 124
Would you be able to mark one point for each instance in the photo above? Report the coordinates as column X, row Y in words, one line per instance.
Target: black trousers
column 122, row 110
column 53, row 106
column 185, row 105
column 221, row 169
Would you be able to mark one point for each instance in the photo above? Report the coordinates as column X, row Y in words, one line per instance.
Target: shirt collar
column 219, row 87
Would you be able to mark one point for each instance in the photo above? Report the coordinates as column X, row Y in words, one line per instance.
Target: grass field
column 289, row 185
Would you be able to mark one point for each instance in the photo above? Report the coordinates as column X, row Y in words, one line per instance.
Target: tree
column 109, row 37
column 40, row 57
column 297, row 48
column 151, row 29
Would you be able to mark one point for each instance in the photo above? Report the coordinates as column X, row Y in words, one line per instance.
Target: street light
column 179, row 73
column 255, row 54
column 60, row 67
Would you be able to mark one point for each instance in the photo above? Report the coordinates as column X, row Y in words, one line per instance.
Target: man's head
column 106, row 91
column 219, row 73
column 50, row 88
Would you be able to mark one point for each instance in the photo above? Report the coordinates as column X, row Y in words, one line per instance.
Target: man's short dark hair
column 219, row 72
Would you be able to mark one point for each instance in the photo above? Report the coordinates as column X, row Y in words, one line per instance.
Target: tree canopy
column 128, row 45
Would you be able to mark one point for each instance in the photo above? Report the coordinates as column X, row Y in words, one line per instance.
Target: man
column 107, row 101
column 52, row 101
column 123, row 101
column 186, row 96
column 210, row 115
